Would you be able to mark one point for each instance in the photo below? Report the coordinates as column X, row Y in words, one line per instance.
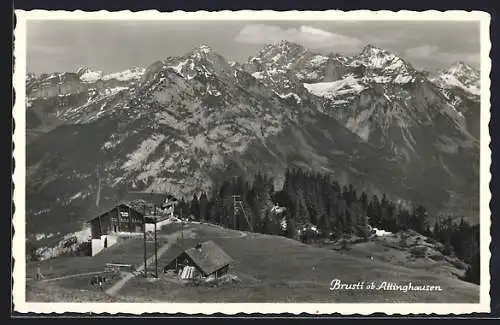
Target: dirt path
column 172, row 238
column 70, row 276
column 76, row 275
column 241, row 234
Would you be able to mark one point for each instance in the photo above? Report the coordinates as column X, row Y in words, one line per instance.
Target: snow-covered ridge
column 318, row 60
column 90, row 76
column 126, row 75
column 330, row 90
column 205, row 48
column 450, row 81
column 459, row 75
column 374, row 57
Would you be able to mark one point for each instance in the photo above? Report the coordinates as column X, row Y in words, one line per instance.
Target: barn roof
column 171, row 197
column 209, row 258
column 106, row 207
column 151, row 198
column 141, row 202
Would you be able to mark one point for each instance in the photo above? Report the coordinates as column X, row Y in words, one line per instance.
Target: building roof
column 155, row 218
column 209, row 258
column 107, row 206
column 141, row 202
column 152, row 198
column 171, row 197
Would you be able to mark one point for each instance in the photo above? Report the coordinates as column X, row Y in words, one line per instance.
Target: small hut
column 206, row 259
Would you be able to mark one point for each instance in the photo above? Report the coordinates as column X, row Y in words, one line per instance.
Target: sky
column 57, row 46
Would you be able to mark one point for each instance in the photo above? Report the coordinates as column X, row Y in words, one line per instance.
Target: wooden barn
column 207, row 259
column 119, row 218
column 128, row 214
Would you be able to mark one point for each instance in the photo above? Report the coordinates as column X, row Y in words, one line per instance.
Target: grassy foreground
column 268, row 268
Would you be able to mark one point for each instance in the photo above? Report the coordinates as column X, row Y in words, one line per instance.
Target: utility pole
column 156, row 253
column 156, row 239
column 182, row 225
column 98, row 194
column 236, row 201
column 237, row 204
column 145, row 251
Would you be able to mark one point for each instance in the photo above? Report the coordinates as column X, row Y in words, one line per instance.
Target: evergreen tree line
column 313, row 199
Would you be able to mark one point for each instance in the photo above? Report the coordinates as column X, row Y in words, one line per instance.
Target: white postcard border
column 18, row 243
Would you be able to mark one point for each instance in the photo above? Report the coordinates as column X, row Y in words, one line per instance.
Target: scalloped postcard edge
column 19, row 154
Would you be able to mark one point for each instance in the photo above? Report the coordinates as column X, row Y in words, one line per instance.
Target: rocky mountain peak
column 289, row 46
column 459, row 75
column 281, row 52
column 202, row 62
column 81, row 70
column 202, row 51
column 466, row 73
column 88, row 75
column 377, row 58
column 372, row 50
column 460, row 68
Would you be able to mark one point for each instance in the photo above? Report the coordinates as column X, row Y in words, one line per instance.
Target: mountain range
column 184, row 124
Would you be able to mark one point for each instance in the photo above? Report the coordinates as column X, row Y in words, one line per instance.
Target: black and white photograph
column 308, row 160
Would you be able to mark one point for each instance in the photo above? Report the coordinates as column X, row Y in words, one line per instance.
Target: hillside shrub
column 436, row 256
column 418, row 251
column 32, row 254
column 431, row 241
column 458, row 264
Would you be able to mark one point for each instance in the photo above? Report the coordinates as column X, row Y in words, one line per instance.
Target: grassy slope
column 271, row 269
column 129, row 251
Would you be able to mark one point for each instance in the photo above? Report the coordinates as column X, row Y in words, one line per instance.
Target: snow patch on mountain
column 402, row 79
column 114, row 90
column 90, row 76
column 258, row 75
column 318, row 60
column 126, row 75
column 179, row 66
column 459, row 75
column 205, row 49
column 330, row 90
column 286, row 96
column 449, row 81
column 381, row 79
column 374, row 57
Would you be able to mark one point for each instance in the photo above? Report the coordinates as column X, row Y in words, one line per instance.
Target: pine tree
column 209, row 213
column 291, row 229
column 473, row 273
column 436, row 232
column 346, row 195
column 301, row 212
column 31, row 252
column 343, row 217
column 324, row 225
column 404, row 220
column 178, row 207
column 448, row 248
column 352, row 194
column 364, row 201
column 374, row 212
column 428, row 232
column 203, row 207
column 384, row 214
column 419, row 219
column 195, row 207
